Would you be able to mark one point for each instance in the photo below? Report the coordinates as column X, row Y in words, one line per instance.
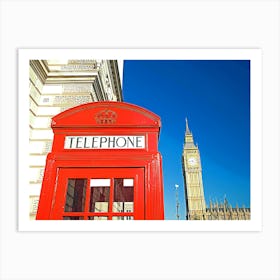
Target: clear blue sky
column 215, row 97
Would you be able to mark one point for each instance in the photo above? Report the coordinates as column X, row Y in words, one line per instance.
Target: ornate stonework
column 224, row 211
column 83, row 61
column 78, row 68
column 77, row 88
column 194, row 191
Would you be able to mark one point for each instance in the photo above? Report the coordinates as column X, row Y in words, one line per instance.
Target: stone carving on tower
column 195, row 201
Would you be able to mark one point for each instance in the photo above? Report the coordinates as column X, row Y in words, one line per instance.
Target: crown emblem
column 106, row 117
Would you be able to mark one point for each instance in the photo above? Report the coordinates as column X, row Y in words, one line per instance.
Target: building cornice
column 40, row 69
column 114, row 73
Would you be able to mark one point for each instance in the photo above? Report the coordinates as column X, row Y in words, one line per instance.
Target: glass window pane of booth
column 98, row 218
column 75, row 197
column 72, row 218
column 122, row 218
column 99, row 195
column 123, row 195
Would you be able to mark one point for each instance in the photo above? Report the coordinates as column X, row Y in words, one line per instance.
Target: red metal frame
column 97, row 119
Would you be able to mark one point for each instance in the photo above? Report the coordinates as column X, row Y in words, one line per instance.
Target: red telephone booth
column 104, row 165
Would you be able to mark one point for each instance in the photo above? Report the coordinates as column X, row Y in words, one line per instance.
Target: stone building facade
column 224, row 211
column 194, row 192
column 55, row 86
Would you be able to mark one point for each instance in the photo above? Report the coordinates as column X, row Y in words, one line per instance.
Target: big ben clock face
column 192, row 161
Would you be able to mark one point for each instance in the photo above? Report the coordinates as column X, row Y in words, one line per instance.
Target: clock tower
column 195, row 201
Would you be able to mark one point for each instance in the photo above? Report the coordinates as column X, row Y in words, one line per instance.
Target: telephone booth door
column 99, row 194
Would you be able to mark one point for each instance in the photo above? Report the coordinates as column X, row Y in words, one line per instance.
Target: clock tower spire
column 194, row 193
column 189, row 143
column 187, row 127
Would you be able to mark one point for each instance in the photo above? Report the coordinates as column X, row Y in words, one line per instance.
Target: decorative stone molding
column 77, row 88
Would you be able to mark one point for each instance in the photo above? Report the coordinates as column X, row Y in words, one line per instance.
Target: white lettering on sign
column 104, row 142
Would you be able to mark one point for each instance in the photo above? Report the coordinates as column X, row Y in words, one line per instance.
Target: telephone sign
column 104, row 142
